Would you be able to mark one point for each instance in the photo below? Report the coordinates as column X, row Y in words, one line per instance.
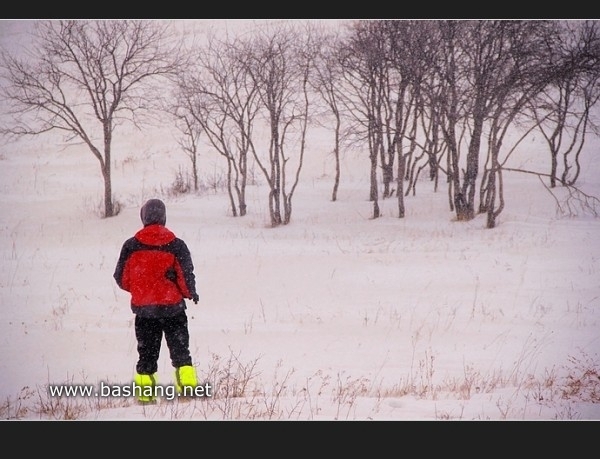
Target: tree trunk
column 466, row 210
column 229, row 189
column 109, row 208
column 373, row 195
column 108, row 202
column 336, row 182
column 400, row 185
column 553, row 169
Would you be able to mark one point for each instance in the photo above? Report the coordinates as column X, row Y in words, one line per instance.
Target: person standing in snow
column 156, row 268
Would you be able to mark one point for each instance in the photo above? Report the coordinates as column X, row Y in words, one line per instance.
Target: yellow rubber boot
column 185, row 376
column 146, row 392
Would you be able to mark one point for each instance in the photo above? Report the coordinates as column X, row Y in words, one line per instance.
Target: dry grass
column 239, row 393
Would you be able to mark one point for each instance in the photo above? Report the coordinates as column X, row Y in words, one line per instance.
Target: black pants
column 149, row 332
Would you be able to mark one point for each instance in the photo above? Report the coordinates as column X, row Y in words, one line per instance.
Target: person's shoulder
column 178, row 240
column 130, row 242
column 179, row 243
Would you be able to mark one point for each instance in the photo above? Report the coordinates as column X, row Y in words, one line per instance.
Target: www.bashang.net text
column 168, row 392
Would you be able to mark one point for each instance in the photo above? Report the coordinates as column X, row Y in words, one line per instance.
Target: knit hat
column 153, row 212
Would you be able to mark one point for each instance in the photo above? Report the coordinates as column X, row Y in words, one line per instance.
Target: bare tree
column 408, row 41
column 384, row 71
column 280, row 66
column 563, row 110
column 87, row 77
column 529, row 69
column 221, row 98
column 326, row 83
column 364, row 58
column 485, row 72
column 191, row 132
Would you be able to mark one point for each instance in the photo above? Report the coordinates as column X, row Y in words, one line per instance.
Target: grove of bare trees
column 453, row 98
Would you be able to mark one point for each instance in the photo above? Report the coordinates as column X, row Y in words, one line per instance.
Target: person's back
column 156, row 268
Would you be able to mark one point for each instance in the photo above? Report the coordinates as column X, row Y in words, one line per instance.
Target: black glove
column 171, row 274
column 195, row 298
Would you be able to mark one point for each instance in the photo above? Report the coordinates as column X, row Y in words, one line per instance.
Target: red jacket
column 156, row 268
